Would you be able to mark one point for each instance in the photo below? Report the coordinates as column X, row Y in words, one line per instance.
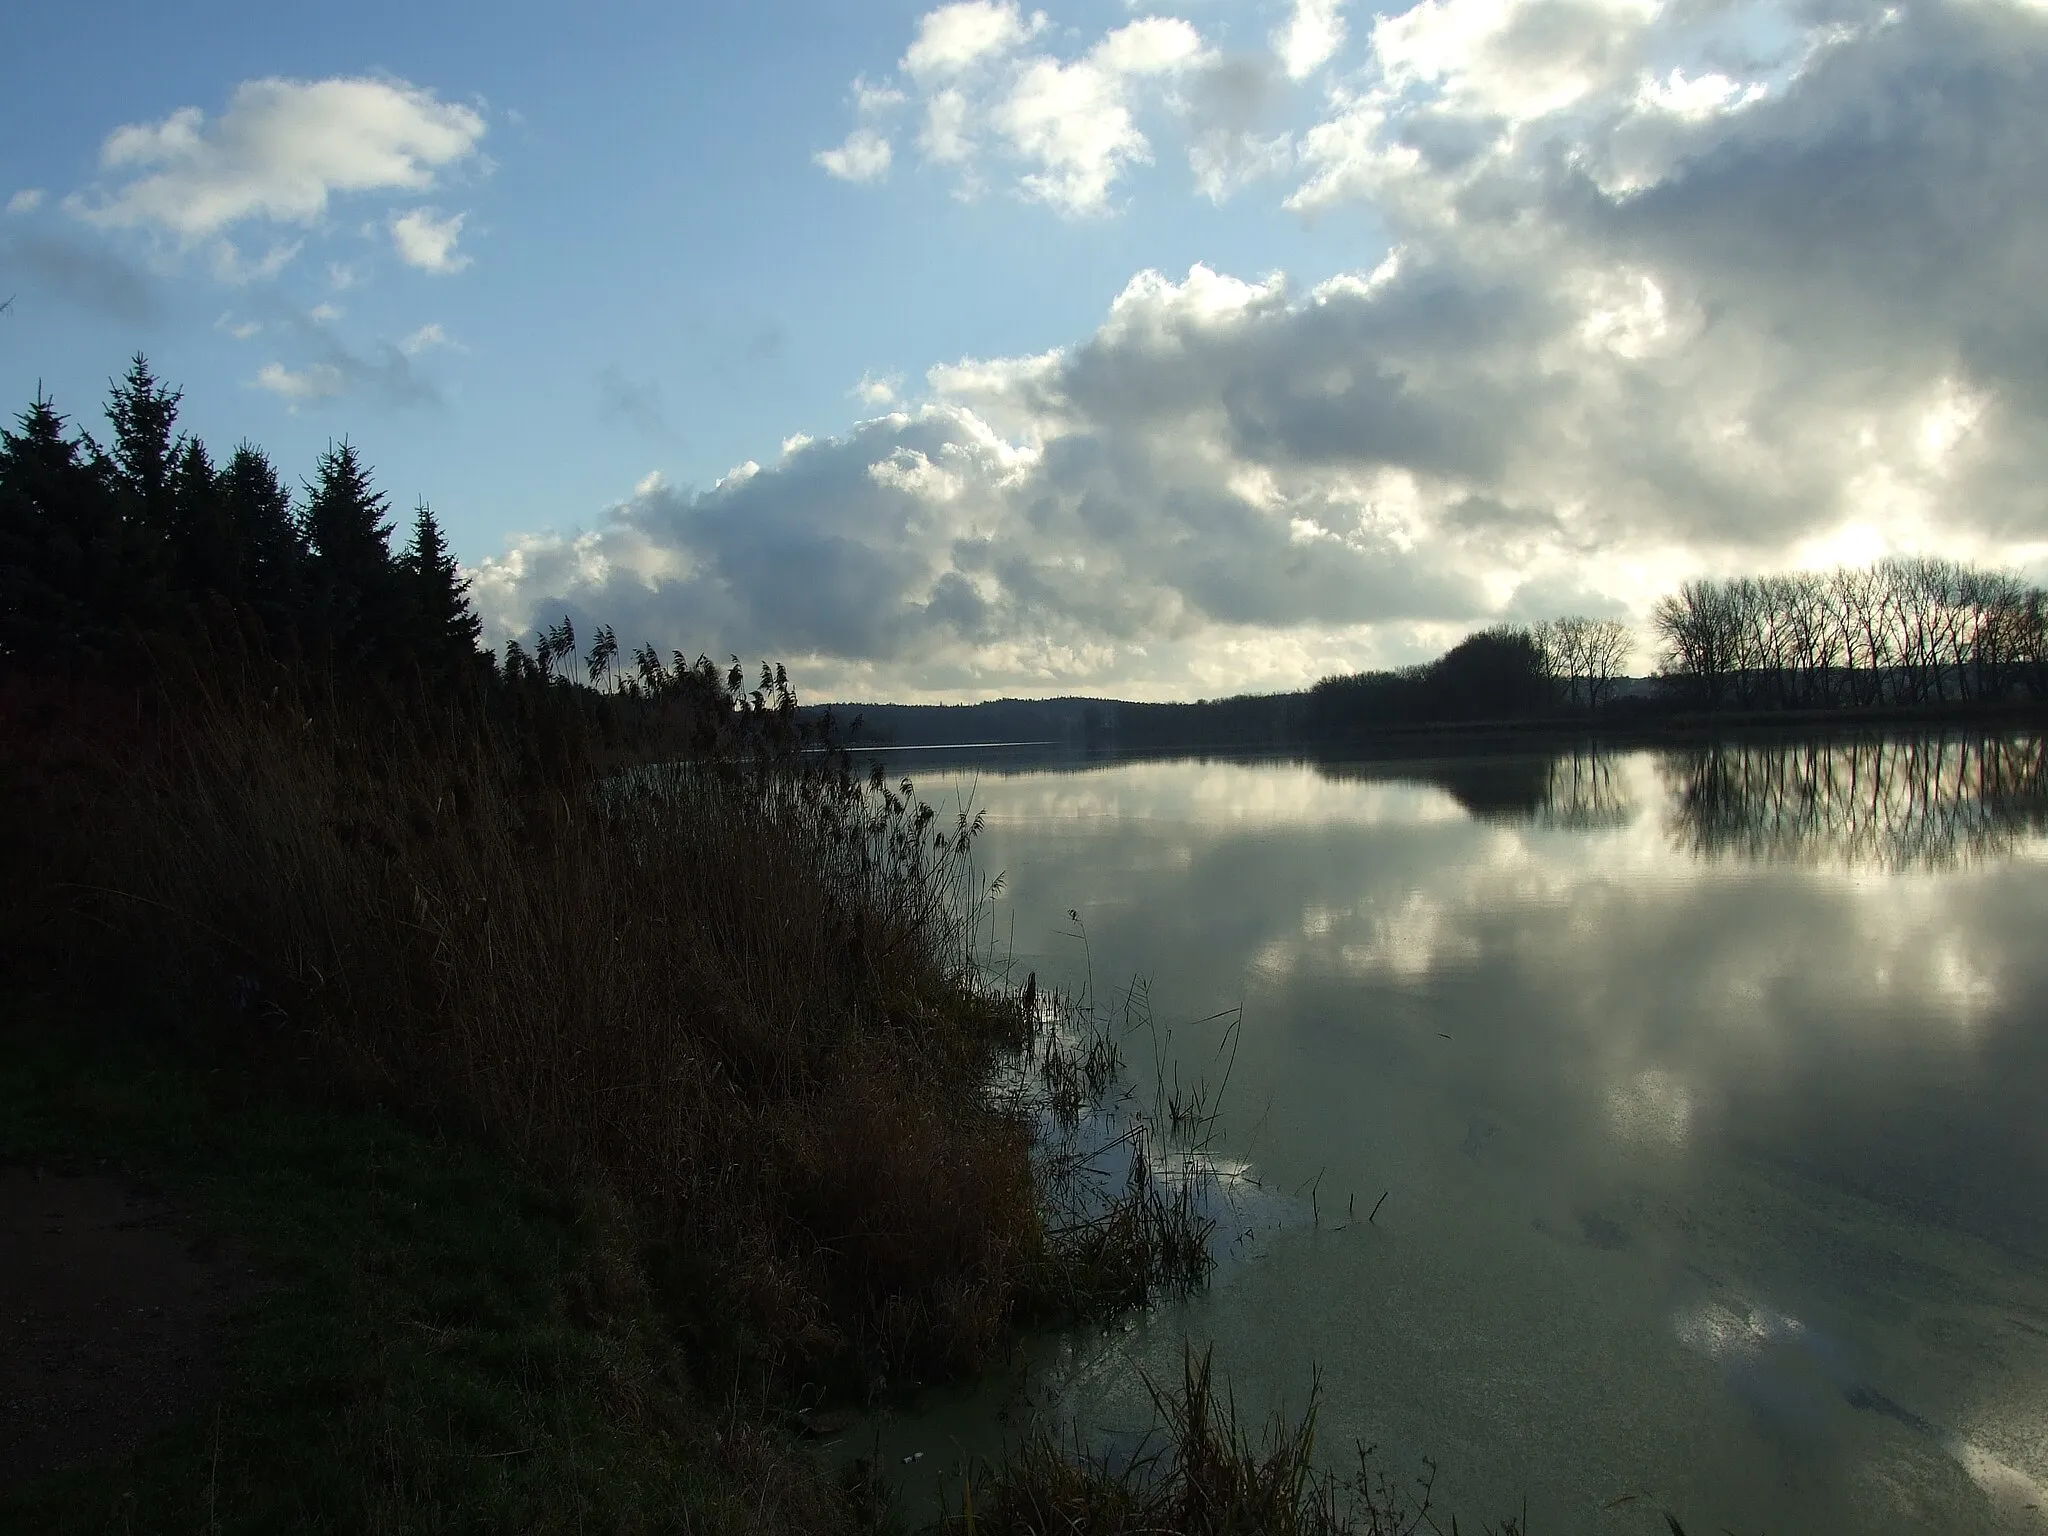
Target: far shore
column 1632, row 723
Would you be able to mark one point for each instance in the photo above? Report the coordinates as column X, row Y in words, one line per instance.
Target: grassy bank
column 586, row 1119
column 438, row 1341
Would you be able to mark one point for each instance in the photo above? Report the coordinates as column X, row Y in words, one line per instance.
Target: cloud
column 27, row 200
column 318, row 381
column 1228, row 103
column 87, row 275
column 954, row 38
column 1314, row 32
column 425, row 239
column 231, row 268
column 1074, row 123
column 241, row 330
column 878, row 390
column 1693, row 290
column 864, row 156
column 1069, row 126
column 1084, row 540
column 279, row 152
column 333, row 370
column 427, row 337
column 866, row 153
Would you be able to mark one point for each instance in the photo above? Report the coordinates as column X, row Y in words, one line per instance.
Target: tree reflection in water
column 1583, row 788
column 1895, row 803
column 1890, row 803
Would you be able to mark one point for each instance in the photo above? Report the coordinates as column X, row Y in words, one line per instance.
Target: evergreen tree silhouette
column 358, row 592
column 446, row 629
column 272, row 546
column 144, row 414
column 206, row 556
column 64, row 581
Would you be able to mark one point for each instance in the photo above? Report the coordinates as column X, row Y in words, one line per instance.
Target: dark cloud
column 85, row 274
column 1633, row 325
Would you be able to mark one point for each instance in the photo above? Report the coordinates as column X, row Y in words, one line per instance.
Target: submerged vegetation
column 1203, row 1473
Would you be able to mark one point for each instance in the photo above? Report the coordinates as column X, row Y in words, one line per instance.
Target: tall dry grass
column 732, row 996
column 1203, row 1472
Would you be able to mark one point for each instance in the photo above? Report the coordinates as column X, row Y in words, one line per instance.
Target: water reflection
column 1706, row 1085
column 1878, row 802
column 1925, row 802
column 1894, row 802
column 1580, row 788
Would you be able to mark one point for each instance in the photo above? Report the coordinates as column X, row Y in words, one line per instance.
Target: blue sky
column 650, row 228
column 1269, row 338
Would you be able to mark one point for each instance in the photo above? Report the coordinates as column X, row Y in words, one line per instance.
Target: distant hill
column 1009, row 721
column 1305, row 718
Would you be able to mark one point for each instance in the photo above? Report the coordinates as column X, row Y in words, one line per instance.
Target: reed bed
column 1203, row 1472
column 733, row 997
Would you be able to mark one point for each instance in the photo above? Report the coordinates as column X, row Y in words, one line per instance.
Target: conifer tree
column 144, row 414
column 206, row 556
column 64, row 583
column 446, row 629
column 258, row 513
column 358, row 592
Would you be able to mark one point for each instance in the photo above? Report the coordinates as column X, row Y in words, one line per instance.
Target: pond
column 1699, row 1095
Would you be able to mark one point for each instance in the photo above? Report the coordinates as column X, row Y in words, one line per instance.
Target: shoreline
column 1548, row 734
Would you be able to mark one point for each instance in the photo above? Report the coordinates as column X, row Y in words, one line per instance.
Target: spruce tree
column 258, row 512
column 144, row 414
column 358, row 590
column 446, row 629
column 205, row 554
column 64, row 582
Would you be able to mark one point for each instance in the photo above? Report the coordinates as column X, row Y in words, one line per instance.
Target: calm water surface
column 1706, row 1089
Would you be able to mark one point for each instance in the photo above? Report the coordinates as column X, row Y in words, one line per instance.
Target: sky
column 986, row 350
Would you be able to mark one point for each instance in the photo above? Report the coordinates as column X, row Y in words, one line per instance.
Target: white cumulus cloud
column 426, row 239
column 1781, row 304
column 864, row 156
column 27, row 200
column 318, row 381
column 954, row 38
column 281, row 151
column 878, row 390
column 1068, row 125
column 1314, row 32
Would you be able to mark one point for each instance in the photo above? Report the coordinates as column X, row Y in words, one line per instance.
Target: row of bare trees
column 1584, row 657
column 1918, row 630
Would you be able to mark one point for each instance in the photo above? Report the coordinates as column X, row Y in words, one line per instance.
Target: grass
column 731, row 996
column 1203, row 1473
column 440, row 1344
column 588, row 1118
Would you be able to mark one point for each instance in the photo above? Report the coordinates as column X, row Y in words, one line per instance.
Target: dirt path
column 112, row 1319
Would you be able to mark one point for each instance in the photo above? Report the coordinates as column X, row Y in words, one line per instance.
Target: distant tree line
column 1912, row 631
column 1505, row 672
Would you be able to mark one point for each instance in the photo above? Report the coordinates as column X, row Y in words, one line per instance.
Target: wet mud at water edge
column 1695, row 1097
